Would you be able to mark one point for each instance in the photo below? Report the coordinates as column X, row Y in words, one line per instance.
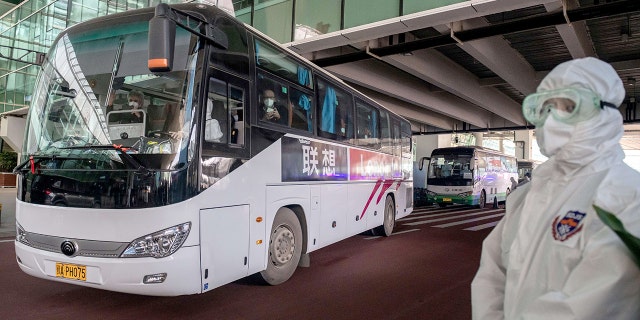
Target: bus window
column 275, row 106
column 277, row 62
column 367, row 128
column 301, row 110
column 236, row 56
column 335, row 112
column 224, row 105
column 385, row 132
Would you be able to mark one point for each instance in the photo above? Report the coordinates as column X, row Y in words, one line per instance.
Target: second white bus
column 470, row 176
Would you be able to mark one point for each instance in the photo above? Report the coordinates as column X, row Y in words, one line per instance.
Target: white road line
column 467, row 221
column 9, row 240
column 393, row 234
column 422, row 216
column 483, row 226
column 450, row 218
column 405, row 231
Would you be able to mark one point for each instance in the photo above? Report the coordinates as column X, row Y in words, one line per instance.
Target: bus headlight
column 465, row 194
column 431, row 193
column 21, row 235
column 159, row 244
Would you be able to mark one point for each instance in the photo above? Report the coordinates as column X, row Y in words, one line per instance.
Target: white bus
column 470, row 176
column 526, row 167
column 151, row 165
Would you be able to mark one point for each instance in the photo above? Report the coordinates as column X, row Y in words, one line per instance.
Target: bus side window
column 215, row 122
column 385, row 132
column 367, row 128
column 224, row 113
column 335, row 114
column 273, row 97
column 301, row 110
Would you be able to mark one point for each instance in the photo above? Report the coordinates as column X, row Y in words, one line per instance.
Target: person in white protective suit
column 551, row 257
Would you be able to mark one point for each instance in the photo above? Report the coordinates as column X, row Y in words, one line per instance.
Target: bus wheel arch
column 302, row 218
column 284, row 247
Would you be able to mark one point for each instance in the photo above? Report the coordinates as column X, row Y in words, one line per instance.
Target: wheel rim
column 282, row 246
column 389, row 220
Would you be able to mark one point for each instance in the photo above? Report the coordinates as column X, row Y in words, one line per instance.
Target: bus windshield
column 451, row 166
column 95, row 91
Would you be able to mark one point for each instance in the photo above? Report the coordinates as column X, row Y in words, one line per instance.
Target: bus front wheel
column 285, row 248
column 389, row 218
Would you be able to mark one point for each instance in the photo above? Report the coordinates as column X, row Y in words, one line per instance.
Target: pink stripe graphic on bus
column 373, row 192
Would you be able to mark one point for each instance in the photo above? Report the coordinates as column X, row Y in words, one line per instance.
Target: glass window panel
column 335, row 114
column 301, row 110
column 274, row 18
column 242, row 10
column 413, row 6
column 367, row 125
column 277, row 61
column 359, row 12
column 316, row 17
column 278, row 109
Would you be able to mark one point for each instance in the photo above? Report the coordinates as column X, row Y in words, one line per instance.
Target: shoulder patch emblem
column 564, row 227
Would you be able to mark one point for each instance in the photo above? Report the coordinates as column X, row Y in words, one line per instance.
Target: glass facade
column 28, row 30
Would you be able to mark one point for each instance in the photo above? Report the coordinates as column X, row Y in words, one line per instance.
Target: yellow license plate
column 71, row 271
column 446, row 199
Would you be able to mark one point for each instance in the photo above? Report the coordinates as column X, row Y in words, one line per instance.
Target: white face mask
column 133, row 104
column 268, row 102
column 553, row 135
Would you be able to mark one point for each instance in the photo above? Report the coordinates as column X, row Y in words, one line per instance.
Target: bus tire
column 389, row 218
column 285, row 248
column 483, row 199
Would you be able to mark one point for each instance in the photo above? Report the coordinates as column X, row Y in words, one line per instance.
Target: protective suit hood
column 596, row 138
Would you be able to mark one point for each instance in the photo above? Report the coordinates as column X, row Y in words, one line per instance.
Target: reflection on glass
column 96, row 90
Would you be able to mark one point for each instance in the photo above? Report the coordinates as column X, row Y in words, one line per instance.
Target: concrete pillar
column 479, row 137
column 524, row 144
column 424, row 145
column 12, row 131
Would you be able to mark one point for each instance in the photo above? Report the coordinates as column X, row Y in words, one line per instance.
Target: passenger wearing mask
column 551, row 257
column 271, row 110
column 136, row 103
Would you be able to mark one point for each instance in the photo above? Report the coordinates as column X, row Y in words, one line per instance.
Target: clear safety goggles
column 570, row 106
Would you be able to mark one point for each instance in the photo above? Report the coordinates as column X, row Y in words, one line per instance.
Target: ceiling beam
column 574, row 35
column 410, row 111
column 528, row 23
column 412, row 90
column 433, row 67
column 497, row 54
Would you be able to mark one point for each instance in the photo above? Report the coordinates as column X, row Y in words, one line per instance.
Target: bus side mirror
column 421, row 164
column 162, row 38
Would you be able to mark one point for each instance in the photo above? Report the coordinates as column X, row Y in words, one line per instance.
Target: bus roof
column 466, row 150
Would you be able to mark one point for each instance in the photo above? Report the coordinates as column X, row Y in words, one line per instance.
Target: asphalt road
column 423, row 271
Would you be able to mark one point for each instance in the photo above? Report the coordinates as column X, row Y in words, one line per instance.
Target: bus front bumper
column 451, row 199
column 120, row 274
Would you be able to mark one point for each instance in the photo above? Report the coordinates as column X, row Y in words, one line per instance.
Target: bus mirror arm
column 422, row 160
column 162, row 35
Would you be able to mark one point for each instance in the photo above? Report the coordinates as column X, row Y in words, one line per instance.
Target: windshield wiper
column 33, row 160
column 130, row 161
